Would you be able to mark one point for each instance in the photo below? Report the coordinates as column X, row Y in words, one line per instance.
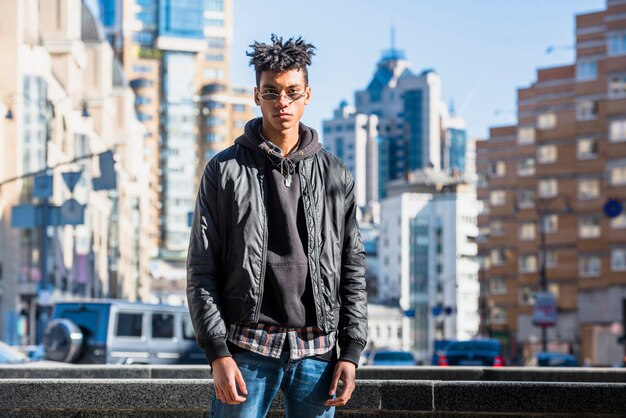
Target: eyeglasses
column 291, row 97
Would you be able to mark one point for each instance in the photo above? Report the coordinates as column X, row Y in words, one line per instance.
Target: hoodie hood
column 254, row 139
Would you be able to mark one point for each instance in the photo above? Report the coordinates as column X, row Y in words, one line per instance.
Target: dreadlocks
column 293, row 54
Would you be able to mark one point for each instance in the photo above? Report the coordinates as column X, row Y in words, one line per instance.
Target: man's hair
column 293, row 54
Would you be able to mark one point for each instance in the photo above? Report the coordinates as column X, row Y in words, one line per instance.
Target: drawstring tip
column 288, row 180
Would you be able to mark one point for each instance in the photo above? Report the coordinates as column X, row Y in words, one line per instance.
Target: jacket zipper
column 315, row 251
column 264, row 254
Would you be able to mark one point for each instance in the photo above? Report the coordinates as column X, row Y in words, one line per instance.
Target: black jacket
column 228, row 248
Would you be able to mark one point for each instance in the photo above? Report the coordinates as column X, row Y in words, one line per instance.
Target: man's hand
column 226, row 378
column 344, row 371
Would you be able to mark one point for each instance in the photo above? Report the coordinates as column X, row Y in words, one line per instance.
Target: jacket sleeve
column 204, row 268
column 353, row 310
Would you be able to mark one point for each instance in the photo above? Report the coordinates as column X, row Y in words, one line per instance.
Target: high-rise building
column 176, row 54
column 553, row 189
column 398, row 124
column 427, row 257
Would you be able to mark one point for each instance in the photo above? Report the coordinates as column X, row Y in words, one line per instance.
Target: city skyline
column 502, row 52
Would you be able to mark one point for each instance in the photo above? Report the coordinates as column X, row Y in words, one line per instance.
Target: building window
column 526, row 167
column 589, row 265
column 586, row 109
column 525, row 199
column 546, row 154
column 497, row 286
column 525, row 135
column 497, row 227
column 498, row 256
column 589, row 227
column 618, row 175
column 618, row 259
column 215, row 121
column 144, row 117
column 213, row 137
column 215, row 42
column 551, row 259
column 339, row 148
column 142, row 68
column 546, row 120
column 214, row 5
column 586, row 70
column 526, row 296
column 239, row 108
column 497, row 168
column 619, row 222
column 617, row 130
column 144, row 38
column 617, row 44
column 527, row 231
column 550, row 223
column 547, row 187
column 497, row 197
column 142, row 100
column 497, row 315
column 588, row 189
column 587, row 148
column 214, row 57
column 216, row 23
column 617, row 87
column 528, row 263
column 213, row 74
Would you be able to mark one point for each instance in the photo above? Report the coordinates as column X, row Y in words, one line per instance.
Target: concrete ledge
column 192, row 397
column 50, row 370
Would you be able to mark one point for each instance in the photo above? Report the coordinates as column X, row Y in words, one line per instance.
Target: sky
column 484, row 50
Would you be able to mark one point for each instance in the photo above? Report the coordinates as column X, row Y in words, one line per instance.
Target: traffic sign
column 544, row 311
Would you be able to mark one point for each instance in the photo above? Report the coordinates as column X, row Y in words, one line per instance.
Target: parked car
column 473, row 353
column 390, row 358
column 10, row 355
column 119, row 332
column 439, row 349
column 553, row 359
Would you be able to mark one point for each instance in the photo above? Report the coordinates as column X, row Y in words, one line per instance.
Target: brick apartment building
column 544, row 185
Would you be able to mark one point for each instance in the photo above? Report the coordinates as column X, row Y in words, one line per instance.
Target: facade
column 544, row 186
column 68, row 103
column 388, row 328
column 427, row 257
column 175, row 53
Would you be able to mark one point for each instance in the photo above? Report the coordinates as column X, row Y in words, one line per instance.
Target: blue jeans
column 305, row 384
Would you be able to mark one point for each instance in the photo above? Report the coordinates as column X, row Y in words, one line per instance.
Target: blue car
column 391, row 358
column 554, row 360
column 473, row 353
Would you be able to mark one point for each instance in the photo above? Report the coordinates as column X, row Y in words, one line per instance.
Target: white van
column 119, row 332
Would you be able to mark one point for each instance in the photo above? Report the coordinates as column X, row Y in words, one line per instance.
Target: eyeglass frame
column 289, row 99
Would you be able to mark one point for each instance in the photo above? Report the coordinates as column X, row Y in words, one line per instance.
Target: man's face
column 282, row 114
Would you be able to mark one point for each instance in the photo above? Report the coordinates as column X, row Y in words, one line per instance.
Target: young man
column 275, row 269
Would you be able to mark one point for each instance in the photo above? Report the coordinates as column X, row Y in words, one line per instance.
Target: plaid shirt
column 268, row 340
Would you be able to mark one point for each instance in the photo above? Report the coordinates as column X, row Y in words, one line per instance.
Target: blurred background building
column 176, row 56
column 553, row 189
column 67, row 110
column 414, row 171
